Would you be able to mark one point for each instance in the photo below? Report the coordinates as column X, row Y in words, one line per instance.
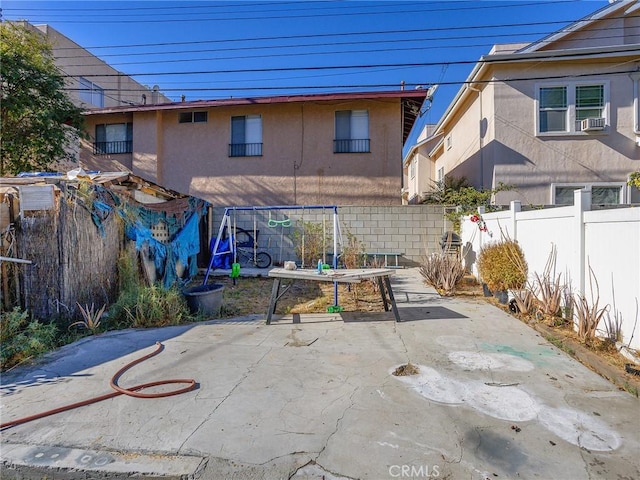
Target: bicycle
column 245, row 245
column 246, row 258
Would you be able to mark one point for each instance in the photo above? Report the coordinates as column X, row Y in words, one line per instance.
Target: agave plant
column 91, row 318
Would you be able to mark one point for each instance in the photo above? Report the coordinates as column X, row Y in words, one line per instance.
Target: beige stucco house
column 322, row 149
column 547, row 117
column 91, row 82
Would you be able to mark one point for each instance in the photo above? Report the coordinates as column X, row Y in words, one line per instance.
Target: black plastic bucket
column 205, row 299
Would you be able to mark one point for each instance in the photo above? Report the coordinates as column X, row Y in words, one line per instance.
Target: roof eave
column 578, row 25
column 399, row 94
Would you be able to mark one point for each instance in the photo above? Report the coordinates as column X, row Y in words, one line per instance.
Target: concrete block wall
column 411, row 230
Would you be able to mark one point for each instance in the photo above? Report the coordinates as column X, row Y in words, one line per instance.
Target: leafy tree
column 634, row 179
column 39, row 123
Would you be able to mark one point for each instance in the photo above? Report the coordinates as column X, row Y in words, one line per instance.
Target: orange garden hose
column 132, row 391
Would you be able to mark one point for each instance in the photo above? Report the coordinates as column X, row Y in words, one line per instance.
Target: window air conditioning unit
column 592, row 124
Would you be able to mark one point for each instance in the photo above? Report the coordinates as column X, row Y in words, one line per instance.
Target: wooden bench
column 385, row 255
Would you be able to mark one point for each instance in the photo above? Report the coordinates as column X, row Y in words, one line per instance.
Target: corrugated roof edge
column 319, row 97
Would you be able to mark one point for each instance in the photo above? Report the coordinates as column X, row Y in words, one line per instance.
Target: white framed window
column 412, row 168
column 601, row 193
column 570, row 108
column 91, row 93
column 449, row 142
column 352, row 132
column 193, row 117
column 246, row 136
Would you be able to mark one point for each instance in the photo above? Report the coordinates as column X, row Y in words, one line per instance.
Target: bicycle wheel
column 263, row 259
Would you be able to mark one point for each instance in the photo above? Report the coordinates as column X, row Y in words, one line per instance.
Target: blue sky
column 219, row 49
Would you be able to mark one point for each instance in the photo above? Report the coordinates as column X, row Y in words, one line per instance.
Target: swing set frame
column 226, row 223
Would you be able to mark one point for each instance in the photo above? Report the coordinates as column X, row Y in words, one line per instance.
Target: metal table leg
column 275, row 291
column 381, row 287
column 392, row 299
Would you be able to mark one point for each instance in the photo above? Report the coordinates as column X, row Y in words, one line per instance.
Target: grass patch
column 22, row 338
column 557, row 342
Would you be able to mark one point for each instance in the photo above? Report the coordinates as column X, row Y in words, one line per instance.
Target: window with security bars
column 114, row 138
column 246, row 136
column 352, row 132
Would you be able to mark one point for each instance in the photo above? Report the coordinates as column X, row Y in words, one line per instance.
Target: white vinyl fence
column 605, row 241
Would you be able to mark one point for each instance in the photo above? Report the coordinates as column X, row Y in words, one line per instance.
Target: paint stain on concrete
column 430, row 384
column 512, row 404
column 538, row 355
column 506, row 403
column 490, row 361
column 580, row 428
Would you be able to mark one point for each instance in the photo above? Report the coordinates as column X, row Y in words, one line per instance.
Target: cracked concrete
column 316, row 399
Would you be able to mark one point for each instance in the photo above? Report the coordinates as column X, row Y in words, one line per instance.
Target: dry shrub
column 442, row 272
column 549, row 288
column 502, row 265
column 310, row 243
column 589, row 315
column 525, row 300
column 353, row 252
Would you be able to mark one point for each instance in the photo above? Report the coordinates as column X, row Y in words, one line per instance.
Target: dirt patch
column 249, row 296
column 406, row 370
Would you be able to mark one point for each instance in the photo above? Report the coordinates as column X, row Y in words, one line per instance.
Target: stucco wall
column 297, row 166
column 104, row 163
column 532, row 163
column 512, row 152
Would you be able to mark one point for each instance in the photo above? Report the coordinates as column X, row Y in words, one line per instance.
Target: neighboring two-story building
column 547, row 117
column 90, row 81
column 322, row 149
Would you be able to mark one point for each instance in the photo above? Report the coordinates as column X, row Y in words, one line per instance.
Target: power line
column 289, row 88
column 630, row 50
column 303, row 4
column 105, row 18
column 283, row 55
column 338, row 34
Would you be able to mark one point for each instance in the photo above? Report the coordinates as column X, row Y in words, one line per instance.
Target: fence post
column 581, row 204
column 514, row 208
column 481, row 211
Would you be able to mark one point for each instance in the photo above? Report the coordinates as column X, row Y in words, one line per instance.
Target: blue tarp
column 184, row 243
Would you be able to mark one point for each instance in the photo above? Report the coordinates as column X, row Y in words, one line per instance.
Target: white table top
column 343, row 275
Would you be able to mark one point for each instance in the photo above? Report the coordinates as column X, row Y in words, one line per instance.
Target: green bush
column 145, row 306
column 502, row 266
column 152, row 306
column 22, row 338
